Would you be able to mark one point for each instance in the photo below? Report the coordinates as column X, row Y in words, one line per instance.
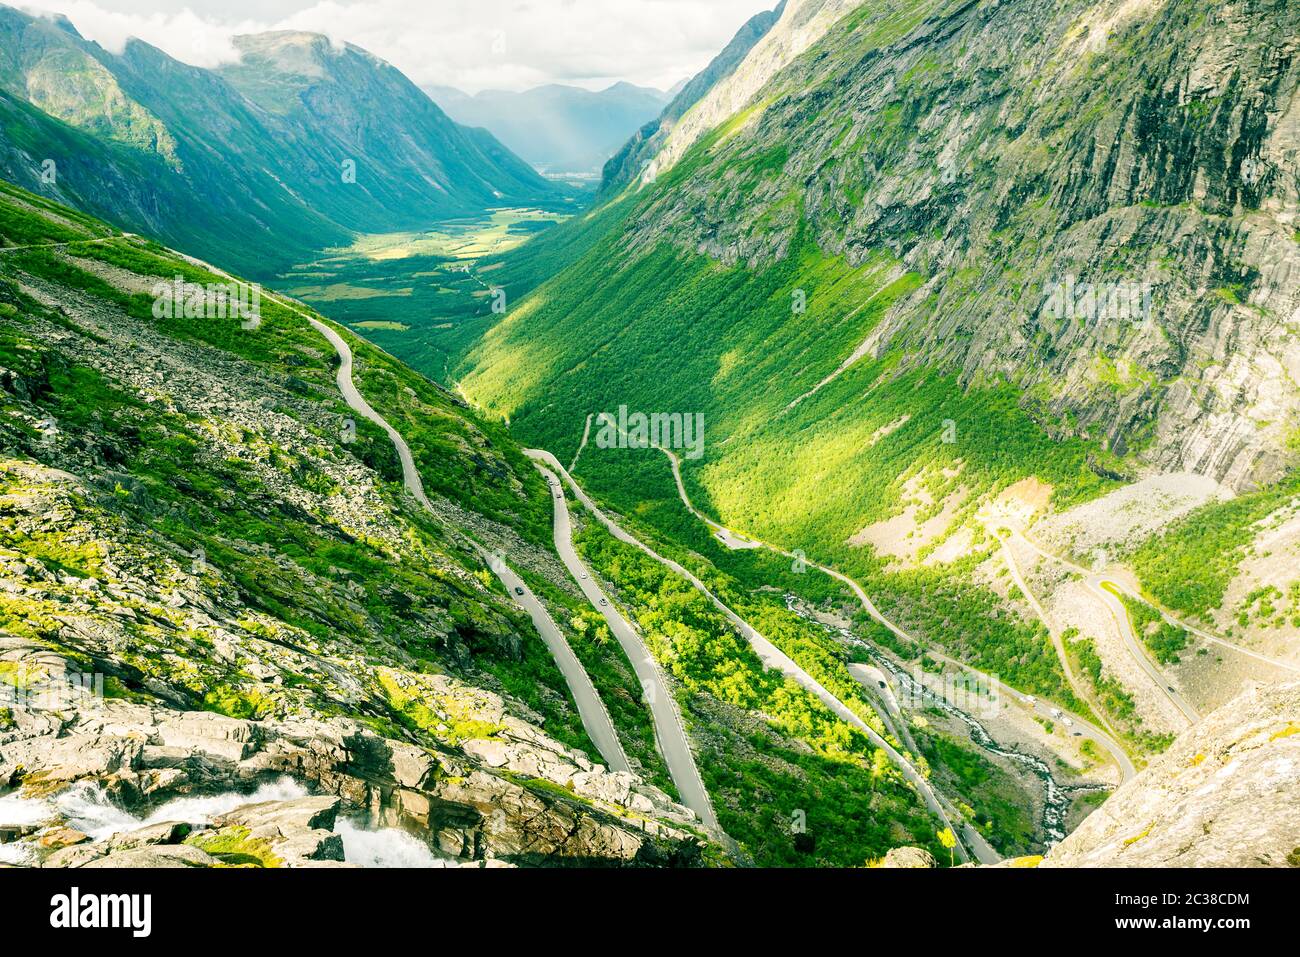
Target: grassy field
column 420, row 295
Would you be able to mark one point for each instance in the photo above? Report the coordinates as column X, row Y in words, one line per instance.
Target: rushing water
column 86, row 808
column 1057, row 798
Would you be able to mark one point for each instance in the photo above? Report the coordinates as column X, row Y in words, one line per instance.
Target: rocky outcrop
column 1226, row 794
column 911, row 858
column 528, row 803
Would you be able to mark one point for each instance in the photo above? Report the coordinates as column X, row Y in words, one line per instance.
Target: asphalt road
column 1137, row 648
column 591, row 710
column 669, row 728
column 1058, row 642
column 1168, row 616
column 1043, row 709
column 774, row 658
column 595, row 718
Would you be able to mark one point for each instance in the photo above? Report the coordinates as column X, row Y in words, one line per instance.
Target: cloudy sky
column 471, row 44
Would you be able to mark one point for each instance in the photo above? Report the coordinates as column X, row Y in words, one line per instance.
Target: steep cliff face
column 1101, row 199
column 1227, row 794
column 796, row 26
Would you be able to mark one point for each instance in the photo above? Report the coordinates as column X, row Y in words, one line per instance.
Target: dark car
column 519, row 591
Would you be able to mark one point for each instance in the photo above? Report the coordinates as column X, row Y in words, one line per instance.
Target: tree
column 949, row 840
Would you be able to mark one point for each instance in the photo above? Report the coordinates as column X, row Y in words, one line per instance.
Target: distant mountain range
column 255, row 164
column 559, row 129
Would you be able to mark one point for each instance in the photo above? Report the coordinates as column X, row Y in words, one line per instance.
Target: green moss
column 239, row 702
column 236, row 847
column 436, row 718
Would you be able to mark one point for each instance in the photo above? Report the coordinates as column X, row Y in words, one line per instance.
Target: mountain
column 989, row 308
column 558, row 129
column 630, row 159
column 287, row 563
column 260, row 164
column 195, row 524
column 927, row 391
column 412, row 164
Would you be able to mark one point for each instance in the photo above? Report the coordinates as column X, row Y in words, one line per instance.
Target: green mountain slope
column 193, row 517
column 191, row 511
column 857, row 279
column 412, row 164
column 261, row 164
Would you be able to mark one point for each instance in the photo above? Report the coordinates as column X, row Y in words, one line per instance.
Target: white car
column 1029, row 700
column 1057, row 713
column 1067, row 722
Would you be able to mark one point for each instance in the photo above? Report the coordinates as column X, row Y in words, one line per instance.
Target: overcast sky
column 471, row 44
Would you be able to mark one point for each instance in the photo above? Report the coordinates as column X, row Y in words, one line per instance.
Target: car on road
column 519, row 592
column 1029, row 700
column 1057, row 713
column 1067, row 722
column 583, row 575
column 604, row 601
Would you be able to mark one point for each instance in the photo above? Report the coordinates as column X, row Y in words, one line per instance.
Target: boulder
column 179, row 855
column 171, row 832
column 909, row 857
column 308, row 813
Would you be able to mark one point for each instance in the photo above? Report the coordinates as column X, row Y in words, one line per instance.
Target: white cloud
column 471, row 44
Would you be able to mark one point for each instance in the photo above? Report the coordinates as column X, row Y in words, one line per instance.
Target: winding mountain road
column 1040, row 709
column 1058, row 641
column 1096, row 584
column 1167, row 615
column 1122, row 621
column 591, row 710
column 774, row 658
column 670, row 731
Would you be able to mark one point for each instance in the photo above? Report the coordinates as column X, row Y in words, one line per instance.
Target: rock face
column 531, row 804
column 629, row 162
column 799, row 25
column 1226, row 794
column 1038, row 166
